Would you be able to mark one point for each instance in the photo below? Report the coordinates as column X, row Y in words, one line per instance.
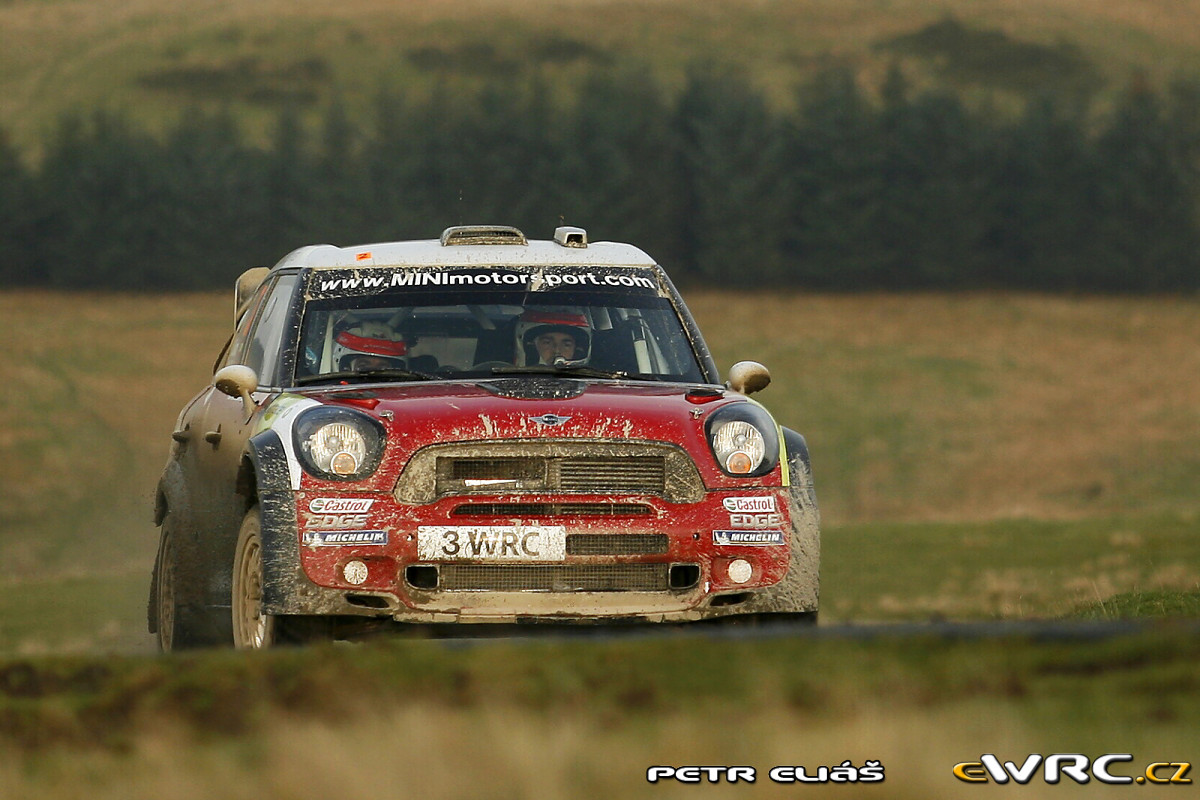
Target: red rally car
column 476, row 429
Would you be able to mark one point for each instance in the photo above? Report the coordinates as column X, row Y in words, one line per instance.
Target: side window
column 263, row 354
column 237, row 345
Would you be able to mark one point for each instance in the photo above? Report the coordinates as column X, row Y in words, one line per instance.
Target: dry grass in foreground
column 578, row 719
column 504, row 754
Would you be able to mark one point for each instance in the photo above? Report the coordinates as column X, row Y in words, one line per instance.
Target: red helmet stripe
column 376, row 347
column 554, row 318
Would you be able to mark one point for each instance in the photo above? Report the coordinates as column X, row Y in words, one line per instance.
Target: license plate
column 491, row 543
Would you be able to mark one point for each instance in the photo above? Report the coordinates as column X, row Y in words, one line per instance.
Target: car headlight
column 339, row 444
column 744, row 440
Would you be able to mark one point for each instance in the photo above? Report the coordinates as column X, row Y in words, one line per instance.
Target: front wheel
column 252, row 629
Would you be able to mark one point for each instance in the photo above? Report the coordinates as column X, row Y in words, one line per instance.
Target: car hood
column 535, row 407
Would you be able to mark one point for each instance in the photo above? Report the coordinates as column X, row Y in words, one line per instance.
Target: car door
column 222, row 423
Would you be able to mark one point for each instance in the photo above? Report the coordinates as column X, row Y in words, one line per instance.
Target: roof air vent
column 570, row 237
column 482, row 234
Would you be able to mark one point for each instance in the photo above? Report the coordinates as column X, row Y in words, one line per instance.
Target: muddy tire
column 252, row 629
column 176, row 625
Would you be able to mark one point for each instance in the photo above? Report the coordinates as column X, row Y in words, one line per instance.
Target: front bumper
column 646, row 558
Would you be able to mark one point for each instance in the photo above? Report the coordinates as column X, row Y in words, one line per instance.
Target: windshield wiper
column 366, row 375
column 574, row 370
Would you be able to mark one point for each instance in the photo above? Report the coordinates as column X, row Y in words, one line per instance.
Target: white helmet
column 370, row 339
column 538, row 322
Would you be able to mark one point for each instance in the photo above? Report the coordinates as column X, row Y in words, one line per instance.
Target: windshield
column 398, row 324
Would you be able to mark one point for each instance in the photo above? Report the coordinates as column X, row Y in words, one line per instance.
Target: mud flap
column 286, row 589
column 799, row 591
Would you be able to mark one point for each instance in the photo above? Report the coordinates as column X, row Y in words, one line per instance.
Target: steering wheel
column 490, row 365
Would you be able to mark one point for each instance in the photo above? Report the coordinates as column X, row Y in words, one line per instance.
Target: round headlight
column 337, row 447
column 739, row 447
column 339, row 444
column 744, row 439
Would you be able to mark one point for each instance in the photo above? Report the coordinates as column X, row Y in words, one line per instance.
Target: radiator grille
column 551, row 466
column 632, row 475
column 555, row 577
column 552, row 510
column 466, row 469
column 616, row 544
column 623, row 475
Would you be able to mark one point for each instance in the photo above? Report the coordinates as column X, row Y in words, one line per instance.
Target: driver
column 369, row 345
column 550, row 337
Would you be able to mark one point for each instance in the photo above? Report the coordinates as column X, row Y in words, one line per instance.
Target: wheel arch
column 799, row 464
column 267, row 482
column 246, row 486
column 170, row 494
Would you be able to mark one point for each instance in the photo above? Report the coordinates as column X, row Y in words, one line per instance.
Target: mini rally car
column 476, row 429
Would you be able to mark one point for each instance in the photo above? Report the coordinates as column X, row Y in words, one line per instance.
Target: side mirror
column 238, row 381
column 748, row 377
column 243, row 292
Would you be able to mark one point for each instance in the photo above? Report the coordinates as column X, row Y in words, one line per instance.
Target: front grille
column 552, row 510
column 616, row 544
column 555, row 577
column 550, row 466
column 630, row 475
column 636, row 475
column 495, row 469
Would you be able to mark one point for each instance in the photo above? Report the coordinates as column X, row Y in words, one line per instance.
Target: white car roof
column 433, row 253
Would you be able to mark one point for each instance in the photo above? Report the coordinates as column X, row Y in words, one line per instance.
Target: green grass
column 82, row 613
column 1011, row 569
column 976, row 456
column 985, row 406
column 1142, row 605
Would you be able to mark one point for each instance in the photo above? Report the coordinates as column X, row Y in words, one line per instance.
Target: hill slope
column 154, row 57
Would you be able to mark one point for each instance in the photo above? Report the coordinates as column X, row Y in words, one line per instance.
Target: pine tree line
column 847, row 190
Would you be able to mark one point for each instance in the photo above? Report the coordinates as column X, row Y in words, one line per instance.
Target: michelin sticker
column 748, row 538
column 343, row 538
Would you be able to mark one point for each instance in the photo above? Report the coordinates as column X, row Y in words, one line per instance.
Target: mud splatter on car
column 480, row 428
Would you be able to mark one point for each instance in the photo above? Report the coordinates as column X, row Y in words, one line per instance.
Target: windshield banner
column 334, row 283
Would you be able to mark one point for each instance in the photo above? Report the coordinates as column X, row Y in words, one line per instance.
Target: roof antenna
column 460, row 206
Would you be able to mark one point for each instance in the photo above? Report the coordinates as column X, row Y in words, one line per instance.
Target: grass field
column 153, row 57
column 977, row 457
